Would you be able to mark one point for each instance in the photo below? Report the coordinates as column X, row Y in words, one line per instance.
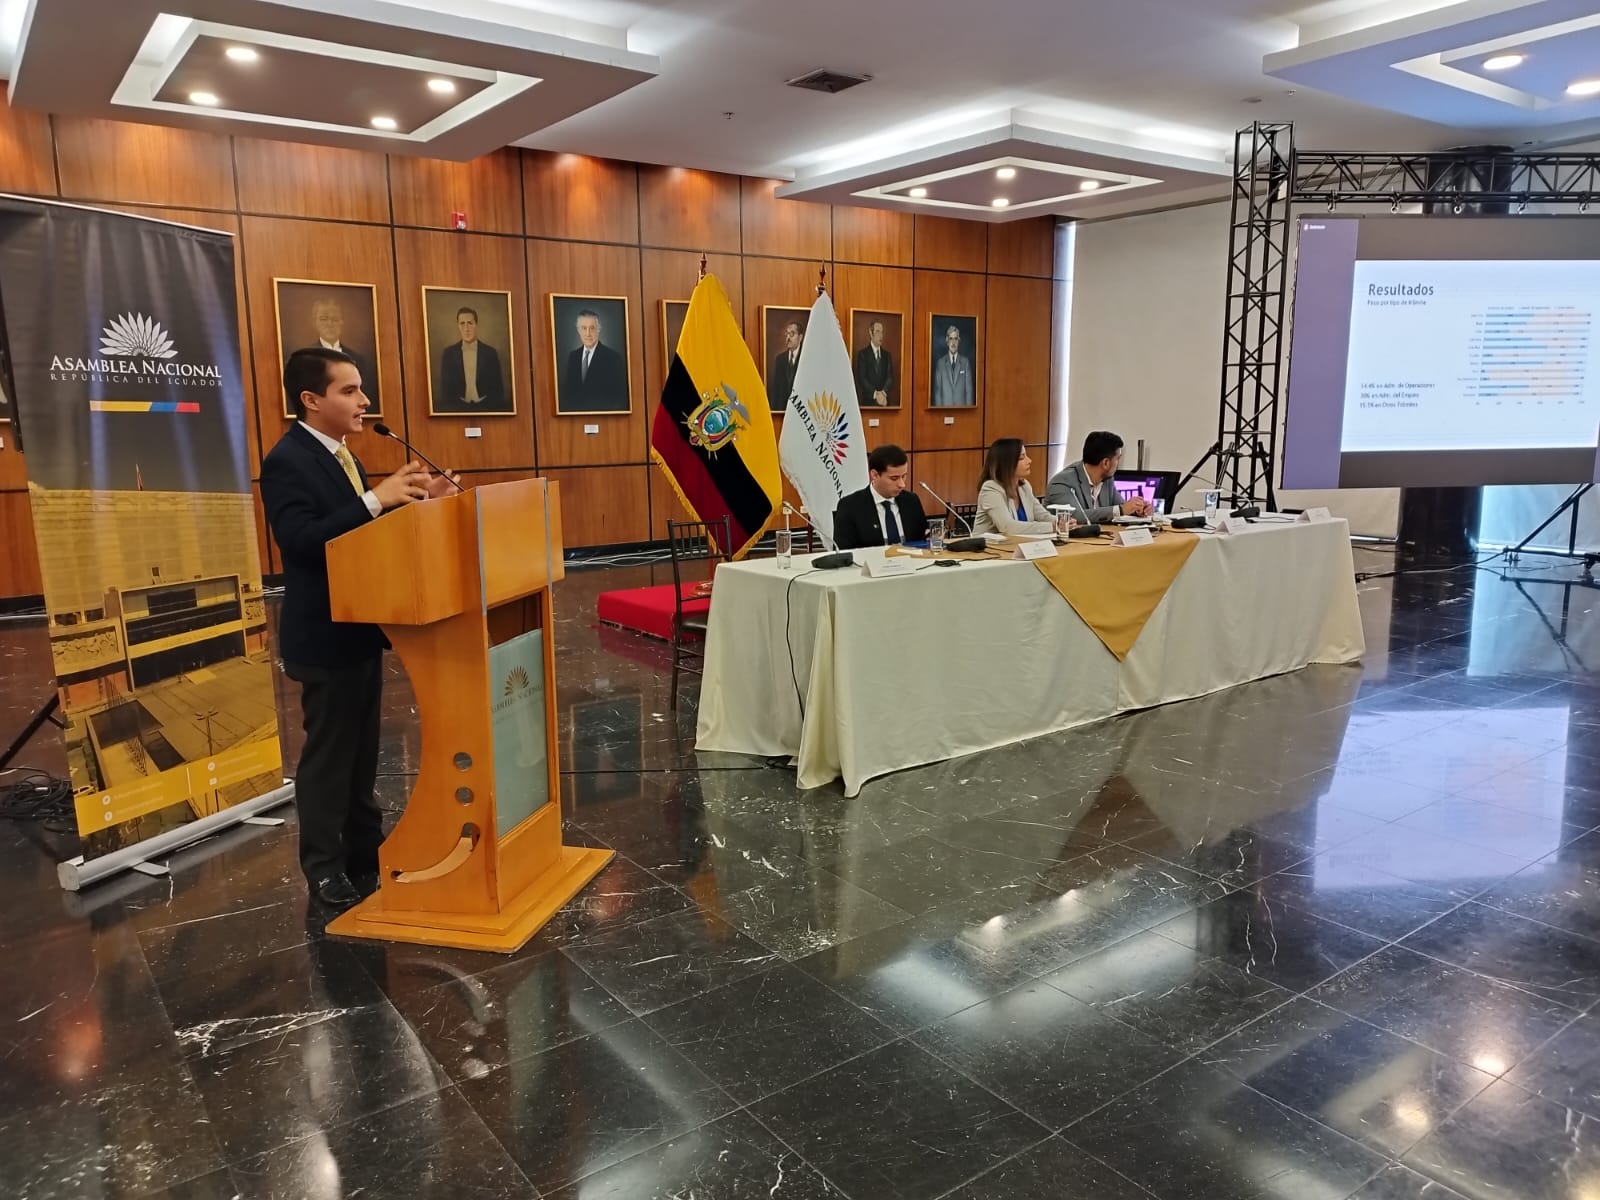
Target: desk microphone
column 1247, row 511
column 383, row 430
column 948, row 507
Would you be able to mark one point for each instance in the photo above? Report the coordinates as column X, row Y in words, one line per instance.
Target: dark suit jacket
column 780, row 382
column 369, row 377
column 453, row 381
column 604, row 390
column 309, row 502
column 873, row 375
column 855, row 521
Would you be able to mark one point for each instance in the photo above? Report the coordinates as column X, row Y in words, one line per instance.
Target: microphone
column 947, row 506
column 792, row 511
column 1247, row 511
column 383, row 430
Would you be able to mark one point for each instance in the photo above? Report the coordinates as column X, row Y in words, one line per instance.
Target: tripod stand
column 1257, row 452
column 1569, row 506
column 47, row 712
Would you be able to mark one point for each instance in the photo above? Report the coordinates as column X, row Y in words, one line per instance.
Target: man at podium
column 313, row 490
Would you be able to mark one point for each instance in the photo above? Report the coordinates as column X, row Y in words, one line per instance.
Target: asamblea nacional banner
column 823, row 447
column 123, row 340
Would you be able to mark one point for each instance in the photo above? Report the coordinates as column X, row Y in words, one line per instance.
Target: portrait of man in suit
column 471, row 372
column 590, row 334
column 783, row 334
column 335, row 316
column 954, row 351
column 876, row 338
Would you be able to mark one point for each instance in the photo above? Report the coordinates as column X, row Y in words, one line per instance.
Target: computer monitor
column 1158, row 487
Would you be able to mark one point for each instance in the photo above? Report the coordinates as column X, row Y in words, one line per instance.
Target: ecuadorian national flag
column 713, row 434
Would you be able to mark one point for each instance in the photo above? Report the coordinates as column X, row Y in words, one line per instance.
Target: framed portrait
column 953, row 371
column 877, row 355
column 783, row 331
column 341, row 316
column 590, row 336
column 470, row 352
column 673, row 313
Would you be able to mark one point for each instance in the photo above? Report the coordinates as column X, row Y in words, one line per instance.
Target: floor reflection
column 1331, row 934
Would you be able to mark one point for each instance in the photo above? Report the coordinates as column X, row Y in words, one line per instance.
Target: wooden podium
column 461, row 585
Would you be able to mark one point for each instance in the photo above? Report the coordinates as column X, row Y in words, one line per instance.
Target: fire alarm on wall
column 458, row 221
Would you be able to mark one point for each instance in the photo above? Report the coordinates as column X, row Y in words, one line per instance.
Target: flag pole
column 702, row 265
column 822, row 278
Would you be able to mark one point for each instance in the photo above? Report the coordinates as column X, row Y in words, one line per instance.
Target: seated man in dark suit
column 313, row 490
column 884, row 513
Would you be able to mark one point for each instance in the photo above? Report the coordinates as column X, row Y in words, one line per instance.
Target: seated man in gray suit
column 1087, row 484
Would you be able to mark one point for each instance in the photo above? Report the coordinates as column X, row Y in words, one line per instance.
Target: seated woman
column 1006, row 503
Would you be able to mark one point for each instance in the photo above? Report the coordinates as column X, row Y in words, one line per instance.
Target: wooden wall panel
column 672, row 275
column 266, row 548
column 143, row 164
column 19, row 553
column 884, row 289
column 279, row 248
column 578, row 198
column 688, row 210
column 27, row 153
column 1026, row 247
column 488, row 189
column 873, row 235
column 1017, row 359
column 292, row 180
column 13, row 463
column 474, row 262
column 783, row 228
column 951, row 295
column 946, row 244
column 604, row 506
column 582, row 268
column 951, row 473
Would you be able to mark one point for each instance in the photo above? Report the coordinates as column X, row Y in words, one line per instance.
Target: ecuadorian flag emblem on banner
column 713, row 433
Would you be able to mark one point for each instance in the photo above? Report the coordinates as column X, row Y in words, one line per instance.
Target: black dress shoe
column 336, row 891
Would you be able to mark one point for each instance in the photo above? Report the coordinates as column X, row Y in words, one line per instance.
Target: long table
column 853, row 677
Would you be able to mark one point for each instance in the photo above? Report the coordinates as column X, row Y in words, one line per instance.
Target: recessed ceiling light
column 385, row 123
column 917, row 193
column 242, row 54
column 207, row 98
column 445, row 87
column 1504, row 62
column 1089, row 185
column 1006, row 173
column 1000, row 202
column 1585, row 87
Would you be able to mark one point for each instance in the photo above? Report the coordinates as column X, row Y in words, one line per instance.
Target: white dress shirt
column 883, row 526
column 374, row 505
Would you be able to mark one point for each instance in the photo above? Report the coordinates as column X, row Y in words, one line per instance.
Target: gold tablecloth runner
column 1114, row 589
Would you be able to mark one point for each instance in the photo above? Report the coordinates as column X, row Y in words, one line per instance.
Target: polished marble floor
column 1331, row 935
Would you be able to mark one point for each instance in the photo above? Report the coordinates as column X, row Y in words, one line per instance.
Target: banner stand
column 76, row 873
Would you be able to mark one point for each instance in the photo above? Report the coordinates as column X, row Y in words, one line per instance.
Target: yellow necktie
column 348, row 462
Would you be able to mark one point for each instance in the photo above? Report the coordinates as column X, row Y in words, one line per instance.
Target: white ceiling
column 1146, row 83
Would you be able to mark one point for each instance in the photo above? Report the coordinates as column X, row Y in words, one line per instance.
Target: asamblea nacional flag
column 823, row 448
column 713, row 435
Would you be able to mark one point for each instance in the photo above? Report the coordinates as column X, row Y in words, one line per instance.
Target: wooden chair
column 955, row 515
column 692, row 542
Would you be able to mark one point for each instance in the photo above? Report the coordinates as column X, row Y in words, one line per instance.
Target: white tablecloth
column 905, row 670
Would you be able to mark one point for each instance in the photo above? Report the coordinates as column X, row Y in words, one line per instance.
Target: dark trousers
column 341, row 826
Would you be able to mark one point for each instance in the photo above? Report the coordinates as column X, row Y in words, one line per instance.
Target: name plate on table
column 1134, row 536
column 1313, row 516
column 1233, row 525
column 878, row 567
column 1043, row 548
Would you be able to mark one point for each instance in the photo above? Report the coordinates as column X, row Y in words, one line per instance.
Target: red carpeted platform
column 647, row 610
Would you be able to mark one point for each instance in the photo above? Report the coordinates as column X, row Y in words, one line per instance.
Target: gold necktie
column 348, row 462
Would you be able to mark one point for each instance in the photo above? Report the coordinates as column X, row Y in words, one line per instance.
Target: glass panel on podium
column 521, row 774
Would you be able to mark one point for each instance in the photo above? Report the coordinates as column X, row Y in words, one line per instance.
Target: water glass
column 936, row 535
column 785, row 540
column 1213, row 501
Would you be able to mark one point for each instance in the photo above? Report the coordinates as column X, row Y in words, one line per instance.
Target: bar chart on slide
column 1528, row 353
